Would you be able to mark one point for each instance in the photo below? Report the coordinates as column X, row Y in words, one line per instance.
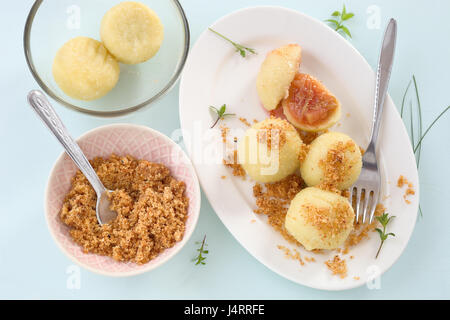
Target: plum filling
column 309, row 102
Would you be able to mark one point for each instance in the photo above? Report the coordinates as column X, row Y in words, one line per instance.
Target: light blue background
column 31, row 265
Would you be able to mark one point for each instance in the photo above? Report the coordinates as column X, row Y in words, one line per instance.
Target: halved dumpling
column 276, row 74
column 310, row 106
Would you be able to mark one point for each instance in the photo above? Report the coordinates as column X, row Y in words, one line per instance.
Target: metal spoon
column 45, row 111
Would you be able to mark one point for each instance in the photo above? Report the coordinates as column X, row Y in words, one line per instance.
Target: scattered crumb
column 356, row 278
column 253, row 221
column 295, row 255
column 244, row 121
column 238, row 171
column 223, row 177
column 402, row 181
column 224, row 131
column 351, row 257
column 347, row 115
column 255, row 121
column 338, row 266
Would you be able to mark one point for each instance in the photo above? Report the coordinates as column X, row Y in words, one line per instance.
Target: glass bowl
column 51, row 23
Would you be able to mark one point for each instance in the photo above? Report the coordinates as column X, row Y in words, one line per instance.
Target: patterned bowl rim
column 172, row 251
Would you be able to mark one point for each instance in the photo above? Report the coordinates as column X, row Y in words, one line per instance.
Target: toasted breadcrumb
column 223, row 177
column 304, row 149
column 151, row 206
column 401, row 182
column 356, row 278
column 224, row 132
column 295, row 255
column 244, row 121
column 273, row 200
column 337, row 266
column 273, row 134
column 238, row 171
column 328, row 224
column 361, row 231
column 309, row 259
column 335, row 165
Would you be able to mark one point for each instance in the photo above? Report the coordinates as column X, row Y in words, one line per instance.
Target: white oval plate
column 215, row 74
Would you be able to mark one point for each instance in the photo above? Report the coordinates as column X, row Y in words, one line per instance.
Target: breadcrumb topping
column 335, row 166
column 329, row 225
column 273, row 133
column 150, row 203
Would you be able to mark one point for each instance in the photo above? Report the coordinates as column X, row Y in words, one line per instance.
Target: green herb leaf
column 333, row 21
column 343, row 16
column 220, row 113
column 239, row 48
column 200, row 258
column 384, row 219
column 345, row 29
column 347, row 16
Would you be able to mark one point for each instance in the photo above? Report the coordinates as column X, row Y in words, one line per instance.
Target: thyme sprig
column 220, row 113
column 384, row 219
column 200, row 259
column 239, row 48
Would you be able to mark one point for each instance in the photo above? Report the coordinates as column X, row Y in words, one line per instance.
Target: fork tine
column 358, row 202
column 366, row 204
column 374, row 205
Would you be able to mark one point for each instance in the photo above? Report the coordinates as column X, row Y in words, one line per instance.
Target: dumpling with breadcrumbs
column 334, row 161
column 270, row 150
column 319, row 219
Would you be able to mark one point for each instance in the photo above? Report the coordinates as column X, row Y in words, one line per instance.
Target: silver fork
column 369, row 181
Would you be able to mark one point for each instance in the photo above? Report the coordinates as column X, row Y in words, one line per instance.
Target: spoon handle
column 45, row 111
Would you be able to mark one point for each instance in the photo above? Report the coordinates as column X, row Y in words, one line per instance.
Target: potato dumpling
column 319, row 219
column 276, row 74
column 333, row 161
column 310, row 106
column 84, row 69
column 270, row 150
column 132, row 32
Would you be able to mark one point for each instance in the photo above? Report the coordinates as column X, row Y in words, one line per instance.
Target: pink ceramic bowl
column 122, row 139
